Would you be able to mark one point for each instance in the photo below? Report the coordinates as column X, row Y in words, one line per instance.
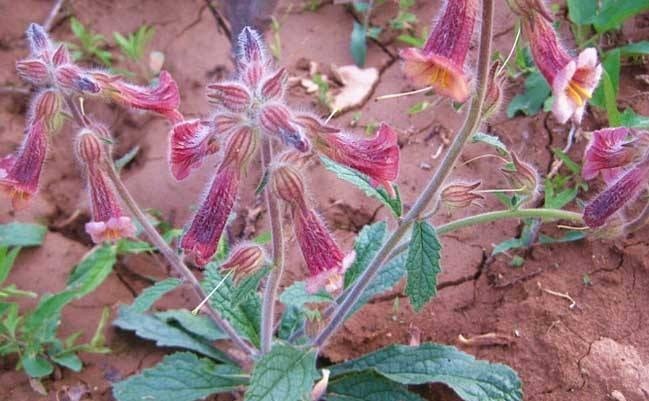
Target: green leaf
column 68, row 360
column 635, row 49
column 198, row 325
column 367, row 244
column 615, row 12
column 42, row 322
column 570, row 236
column 7, row 259
column 297, row 295
column 512, row 243
column 245, row 316
column 150, row 295
column 363, row 182
column 630, row 119
column 582, row 12
column 165, row 335
column 418, row 107
column 358, row 44
column 129, row 246
column 471, row 379
column 22, row 234
column 36, row 366
column 368, row 386
column 285, row 373
column 610, row 100
column 612, row 66
column 491, row 140
column 387, row 277
column 92, row 270
column 422, row 264
column 128, row 156
column 248, row 286
column 292, row 319
column 180, row 377
column 531, row 101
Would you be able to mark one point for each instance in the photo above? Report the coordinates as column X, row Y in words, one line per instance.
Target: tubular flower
column 377, row 157
column 245, row 260
column 440, row 63
column 163, row 98
column 608, row 152
column 20, row 173
column 323, row 257
column 617, row 195
column 108, row 221
column 191, row 142
column 202, row 236
column 573, row 80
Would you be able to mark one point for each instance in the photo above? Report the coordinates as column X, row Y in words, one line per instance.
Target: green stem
column 545, row 214
column 471, row 123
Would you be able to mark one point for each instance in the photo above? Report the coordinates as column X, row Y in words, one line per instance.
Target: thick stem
column 471, row 123
column 274, row 278
column 156, row 239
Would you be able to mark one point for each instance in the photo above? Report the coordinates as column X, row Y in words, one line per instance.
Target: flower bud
column 90, row 148
column 20, row 173
column 287, row 184
column 460, row 195
column 224, row 122
column 39, row 41
column 33, row 71
column 252, row 74
column 523, row 177
column 61, row 55
column 273, row 87
column 46, row 107
column 69, row 77
column 251, row 47
column 275, row 120
column 241, row 146
column 494, row 96
column 191, row 142
column 617, row 195
column 233, row 96
column 244, row 261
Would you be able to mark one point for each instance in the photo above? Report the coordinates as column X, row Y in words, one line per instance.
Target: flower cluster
column 621, row 156
column 58, row 82
column 572, row 79
column 251, row 108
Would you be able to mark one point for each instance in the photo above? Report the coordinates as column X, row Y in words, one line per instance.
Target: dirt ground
column 588, row 351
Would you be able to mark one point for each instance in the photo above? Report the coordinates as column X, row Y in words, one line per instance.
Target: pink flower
column 108, row 221
column 202, row 236
column 245, row 260
column 46, row 107
column 377, row 157
column 71, row 78
column 572, row 80
column 231, row 95
column 275, row 120
column 20, row 173
column 617, row 195
column 608, row 152
column 440, row 63
column 39, row 42
column 33, row 71
column 460, row 195
column 191, row 141
column 162, row 98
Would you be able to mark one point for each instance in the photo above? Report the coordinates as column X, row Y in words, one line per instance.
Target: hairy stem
column 471, row 123
column 156, row 239
column 272, row 284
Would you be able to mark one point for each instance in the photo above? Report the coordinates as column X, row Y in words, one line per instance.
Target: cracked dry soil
column 596, row 350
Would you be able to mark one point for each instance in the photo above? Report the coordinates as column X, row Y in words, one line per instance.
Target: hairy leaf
column 150, row 295
column 297, row 295
column 367, row 244
column 387, row 277
column 422, row 264
column 368, row 386
column 198, row 325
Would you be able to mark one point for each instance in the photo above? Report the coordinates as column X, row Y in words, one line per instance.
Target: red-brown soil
column 587, row 352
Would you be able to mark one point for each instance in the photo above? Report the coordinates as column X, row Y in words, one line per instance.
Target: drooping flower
column 608, row 152
column 276, row 121
column 20, row 173
column 71, row 78
column 204, row 231
column 522, row 177
column 460, row 195
column 376, row 157
column 190, row 142
column 440, row 63
column 46, row 107
column 245, row 260
column 573, row 80
column 495, row 92
column 613, row 198
column 323, row 257
column 162, row 98
column 108, row 221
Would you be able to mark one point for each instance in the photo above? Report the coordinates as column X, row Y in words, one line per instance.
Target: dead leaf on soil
column 72, row 393
column 488, row 339
column 357, row 86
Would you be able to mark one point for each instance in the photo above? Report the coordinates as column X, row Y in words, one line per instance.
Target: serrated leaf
column 491, row 140
column 363, row 182
column 180, row 377
column 151, row 328
column 245, row 316
column 248, row 286
column 150, row 295
column 387, row 277
column 358, row 44
column 297, row 295
column 22, row 234
column 368, row 386
column 198, row 325
column 367, row 244
column 531, row 100
column 285, row 373
column 422, row 264
column 471, row 379
column 292, row 320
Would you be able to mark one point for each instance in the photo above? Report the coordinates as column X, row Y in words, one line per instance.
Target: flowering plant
column 272, row 355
